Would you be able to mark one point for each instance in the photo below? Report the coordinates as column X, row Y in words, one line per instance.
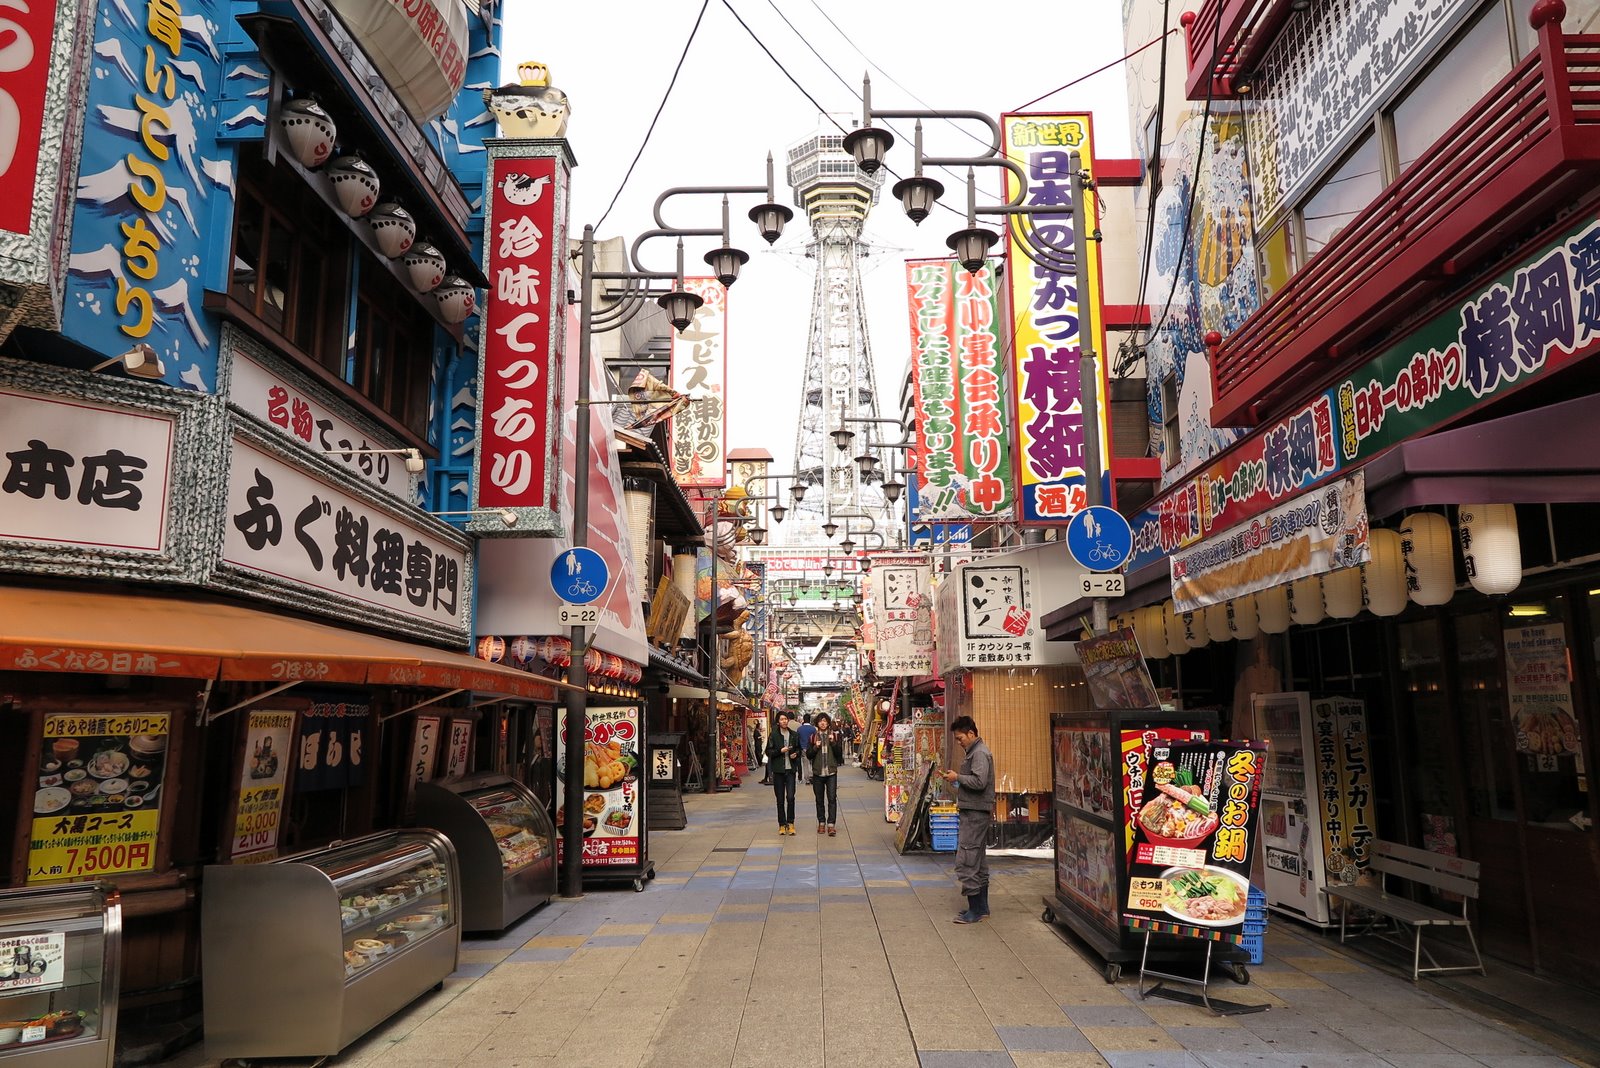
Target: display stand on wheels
column 615, row 815
column 60, row 957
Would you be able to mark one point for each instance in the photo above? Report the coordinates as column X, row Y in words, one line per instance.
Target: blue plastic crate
column 951, row 822
column 1258, row 898
column 1256, row 947
column 944, row 843
column 1254, row 927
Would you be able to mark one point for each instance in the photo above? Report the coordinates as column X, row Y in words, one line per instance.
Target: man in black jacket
column 826, row 754
column 975, row 804
column 783, row 760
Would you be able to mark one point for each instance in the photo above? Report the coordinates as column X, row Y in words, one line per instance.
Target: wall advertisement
column 1539, row 689
column 901, row 613
column 613, row 803
column 268, row 749
column 700, row 368
column 1049, row 311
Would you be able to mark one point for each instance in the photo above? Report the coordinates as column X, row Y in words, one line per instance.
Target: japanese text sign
column 521, row 349
column 26, row 60
column 963, row 461
column 1050, row 317
column 332, row 747
column 1343, row 786
column 1115, row 672
column 613, row 801
column 998, row 616
column 33, row 963
column 268, row 751
column 901, row 613
column 1194, row 835
column 78, row 473
column 1539, row 689
column 700, row 368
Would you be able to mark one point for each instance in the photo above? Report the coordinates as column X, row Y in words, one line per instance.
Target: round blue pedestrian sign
column 579, row 576
column 1099, row 538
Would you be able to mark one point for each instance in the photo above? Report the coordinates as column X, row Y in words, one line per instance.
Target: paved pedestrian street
column 753, row 950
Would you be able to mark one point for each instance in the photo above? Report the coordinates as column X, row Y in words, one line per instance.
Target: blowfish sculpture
column 533, row 108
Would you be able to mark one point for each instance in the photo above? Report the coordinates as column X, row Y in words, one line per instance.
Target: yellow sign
column 97, row 809
column 261, row 782
column 1146, row 893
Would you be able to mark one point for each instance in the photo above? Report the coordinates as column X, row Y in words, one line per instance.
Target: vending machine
column 1316, row 800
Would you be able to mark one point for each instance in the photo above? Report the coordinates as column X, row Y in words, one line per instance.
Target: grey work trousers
column 972, row 855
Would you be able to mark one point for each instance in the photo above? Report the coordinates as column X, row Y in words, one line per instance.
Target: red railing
column 1530, row 145
column 1237, row 31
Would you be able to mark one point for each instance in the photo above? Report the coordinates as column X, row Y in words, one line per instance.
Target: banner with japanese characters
column 291, row 527
column 999, row 615
column 963, row 456
column 1539, row 689
column 97, row 807
column 268, row 749
column 521, row 348
column 1050, row 313
column 1347, row 811
column 700, row 369
column 1189, row 868
column 1534, row 318
column 332, row 746
column 901, row 613
column 613, row 800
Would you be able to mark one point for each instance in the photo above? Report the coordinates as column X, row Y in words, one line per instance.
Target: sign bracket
column 212, row 717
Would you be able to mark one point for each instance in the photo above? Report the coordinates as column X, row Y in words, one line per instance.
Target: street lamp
column 829, row 529
column 842, row 438
column 866, row 462
column 892, row 490
column 847, row 545
column 777, row 512
column 758, row 534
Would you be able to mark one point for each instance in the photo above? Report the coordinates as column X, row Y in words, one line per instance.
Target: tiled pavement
column 752, row 950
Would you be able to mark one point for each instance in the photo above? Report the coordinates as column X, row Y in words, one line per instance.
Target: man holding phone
column 975, row 803
column 783, row 762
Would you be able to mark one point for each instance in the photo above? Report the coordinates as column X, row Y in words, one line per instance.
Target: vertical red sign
column 27, row 31
column 520, row 353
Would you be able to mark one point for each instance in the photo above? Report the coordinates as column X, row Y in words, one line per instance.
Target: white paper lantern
column 1242, row 621
column 1194, row 628
column 1172, row 624
column 310, row 130
column 1430, row 564
column 456, row 299
column 1383, row 577
column 1341, row 593
column 1490, row 547
column 1306, row 606
column 355, row 183
column 393, row 228
column 1150, row 628
column 425, row 267
column 1272, row 609
column 1217, row 623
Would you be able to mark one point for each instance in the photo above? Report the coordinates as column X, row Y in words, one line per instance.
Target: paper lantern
column 1384, row 576
column 1490, row 547
column 1150, row 629
column 1430, row 563
column 522, row 649
column 1242, row 621
column 492, row 649
column 593, row 660
column 1194, row 629
column 393, row 228
column 1217, row 623
column 1172, row 626
column 456, row 299
column 355, row 183
column 309, row 129
column 1272, row 609
column 1341, row 593
column 1306, row 606
column 425, row 267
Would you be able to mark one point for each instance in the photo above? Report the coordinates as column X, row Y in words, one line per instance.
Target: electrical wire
column 1125, row 360
column 663, row 106
column 1099, row 70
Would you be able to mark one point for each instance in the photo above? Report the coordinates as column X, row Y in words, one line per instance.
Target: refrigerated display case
column 505, row 844
column 60, row 950
column 305, row 955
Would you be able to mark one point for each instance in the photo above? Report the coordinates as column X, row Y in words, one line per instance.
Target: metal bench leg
column 1416, row 953
column 1476, row 955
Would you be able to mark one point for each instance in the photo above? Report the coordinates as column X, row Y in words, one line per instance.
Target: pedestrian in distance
column 805, row 732
column 974, row 785
column 826, row 753
column 783, row 761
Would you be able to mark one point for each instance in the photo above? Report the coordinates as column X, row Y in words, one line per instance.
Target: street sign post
column 579, row 577
column 1102, row 585
column 1099, row 538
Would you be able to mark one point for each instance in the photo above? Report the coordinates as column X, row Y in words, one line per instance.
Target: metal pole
column 1088, row 365
column 578, row 671
column 714, row 654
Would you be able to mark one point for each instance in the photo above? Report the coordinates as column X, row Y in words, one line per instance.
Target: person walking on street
column 783, row 758
column 975, row 804
column 805, row 732
column 827, row 754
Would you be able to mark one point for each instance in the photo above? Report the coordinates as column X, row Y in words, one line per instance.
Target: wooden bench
column 1390, row 860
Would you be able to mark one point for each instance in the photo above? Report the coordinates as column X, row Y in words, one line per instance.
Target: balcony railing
column 1528, row 147
column 1225, row 37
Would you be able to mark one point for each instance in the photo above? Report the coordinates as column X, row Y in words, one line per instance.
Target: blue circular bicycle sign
column 579, row 576
column 1099, row 538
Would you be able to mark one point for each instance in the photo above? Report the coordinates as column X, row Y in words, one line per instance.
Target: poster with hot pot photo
column 1141, row 749
column 1194, row 837
column 613, row 801
column 97, row 805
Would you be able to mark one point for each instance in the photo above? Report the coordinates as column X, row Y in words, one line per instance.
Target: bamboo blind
column 1012, row 709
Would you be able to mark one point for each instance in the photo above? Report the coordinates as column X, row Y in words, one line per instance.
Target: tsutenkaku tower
column 839, row 381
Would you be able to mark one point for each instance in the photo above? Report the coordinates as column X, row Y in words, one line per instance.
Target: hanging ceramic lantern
column 393, row 228
column 1384, row 576
column 1172, row 626
column 1430, row 564
column 456, row 299
column 1490, row 547
column 1150, row 629
column 1216, row 622
column 1272, row 609
column 1341, row 592
column 355, row 183
column 1306, row 606
column 309, row 130
column 425, row 265
column 1242, row 621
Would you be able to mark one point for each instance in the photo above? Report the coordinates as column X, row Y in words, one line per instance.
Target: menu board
column 262, row 775
column 1086, row 864
column 1539, row 688
column 1085, row 769
column 97, row 807
column 1115, row 672
column 1140, row 749
column 460, row 748
column 613, row 809
column 33, row 963
column 1189, row 869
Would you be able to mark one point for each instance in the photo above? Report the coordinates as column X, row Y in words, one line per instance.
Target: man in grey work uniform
column 975, row 803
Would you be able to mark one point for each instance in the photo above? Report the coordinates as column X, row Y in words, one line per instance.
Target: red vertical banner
column 521, row 348
column 28, row 31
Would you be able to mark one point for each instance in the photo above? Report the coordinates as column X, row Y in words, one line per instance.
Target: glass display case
column 59, row 961
column 504, row 841
column 306, row 954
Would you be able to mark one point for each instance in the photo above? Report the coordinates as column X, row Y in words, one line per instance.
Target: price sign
column 1102, row 585
column 577, row 615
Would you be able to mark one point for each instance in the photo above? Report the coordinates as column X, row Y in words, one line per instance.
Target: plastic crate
column 1256, row 947
column 1255, row 927
column 944, row 843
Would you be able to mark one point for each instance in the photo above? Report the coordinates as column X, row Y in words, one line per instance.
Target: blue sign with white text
column 1099, row 538
column 579, row 576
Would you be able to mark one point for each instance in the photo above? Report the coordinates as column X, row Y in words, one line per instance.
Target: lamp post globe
column 869, row 145
column 725, row 264
column 917, row 196
column 680, row 307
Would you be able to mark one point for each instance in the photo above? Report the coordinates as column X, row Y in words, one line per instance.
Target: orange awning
column 131, row 634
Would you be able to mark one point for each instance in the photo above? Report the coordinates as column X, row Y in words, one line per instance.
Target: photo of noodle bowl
column 1171, row 817
column 1205, row 896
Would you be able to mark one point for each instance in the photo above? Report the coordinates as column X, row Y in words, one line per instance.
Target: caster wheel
column 438, row 986
column 638, row 886
column 1047, row 917
column 1241, row 975
column 652, row 874
column 1113, row 972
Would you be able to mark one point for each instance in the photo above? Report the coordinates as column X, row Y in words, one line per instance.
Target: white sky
column 732, row 105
